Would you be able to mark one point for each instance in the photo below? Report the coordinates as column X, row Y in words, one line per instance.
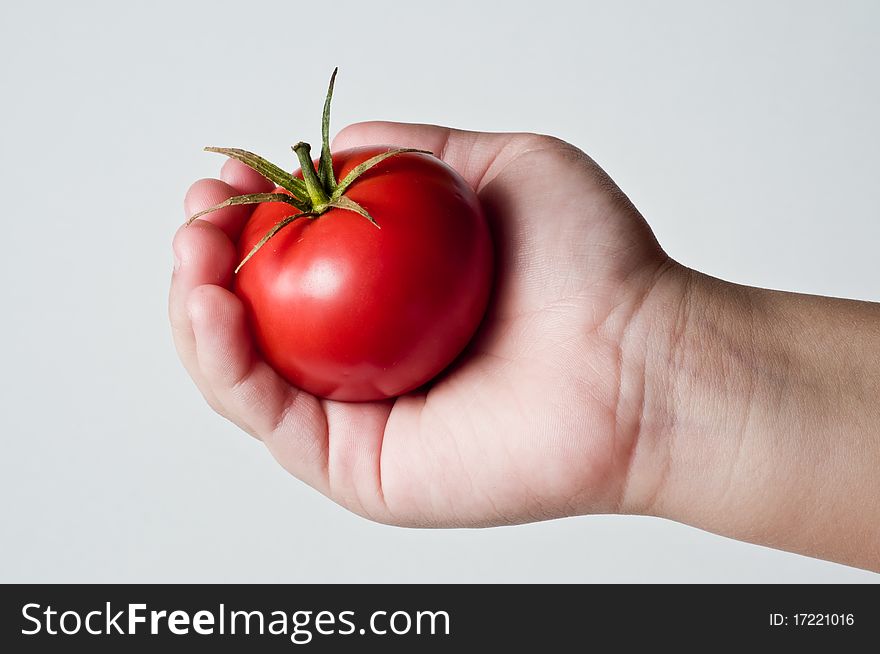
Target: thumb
column 477, row 156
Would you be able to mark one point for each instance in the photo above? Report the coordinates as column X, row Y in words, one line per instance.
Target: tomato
column 349, row 311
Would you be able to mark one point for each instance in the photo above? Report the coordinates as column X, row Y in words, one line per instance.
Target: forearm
column 761, row 418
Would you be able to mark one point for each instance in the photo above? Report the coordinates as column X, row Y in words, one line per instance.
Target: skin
column 606, row 378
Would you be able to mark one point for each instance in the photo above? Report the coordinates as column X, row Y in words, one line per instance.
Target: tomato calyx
column 316, row 193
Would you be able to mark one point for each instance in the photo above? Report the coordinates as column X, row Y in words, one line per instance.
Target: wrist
column 756, row 422
column 700, row 393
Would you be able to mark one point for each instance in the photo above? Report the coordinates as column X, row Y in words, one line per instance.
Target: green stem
column 317, row 192
column 313, row 185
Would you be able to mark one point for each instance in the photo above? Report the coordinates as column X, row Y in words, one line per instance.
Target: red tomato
column 351, row 312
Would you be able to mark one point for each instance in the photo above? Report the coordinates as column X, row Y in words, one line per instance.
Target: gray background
column 748, row 137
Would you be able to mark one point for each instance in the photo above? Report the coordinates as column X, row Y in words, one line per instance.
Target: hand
column 540, row 419
column 605, row 377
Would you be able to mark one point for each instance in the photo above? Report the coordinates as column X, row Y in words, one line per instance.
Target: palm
column 535, row 421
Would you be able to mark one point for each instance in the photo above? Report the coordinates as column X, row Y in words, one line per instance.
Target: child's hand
column 542, row 417
column 605, row 378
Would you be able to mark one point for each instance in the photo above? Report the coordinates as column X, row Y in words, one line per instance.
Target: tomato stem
column 313, row 185
column 317, row 192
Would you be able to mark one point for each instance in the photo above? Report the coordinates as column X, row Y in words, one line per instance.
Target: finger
column 356, row 434
column 290, row 421
column 209, row 192
column 477, row 156
column 244, row 179
column 203, row 255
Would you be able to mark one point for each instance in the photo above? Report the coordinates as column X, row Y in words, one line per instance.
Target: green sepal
column 275, row 229
column 360, row 169
column 253, row 198
column 267, row 169
column 348, row 204
column 325, row 164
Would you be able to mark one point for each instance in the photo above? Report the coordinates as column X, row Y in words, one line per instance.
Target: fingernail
column 176, row 261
